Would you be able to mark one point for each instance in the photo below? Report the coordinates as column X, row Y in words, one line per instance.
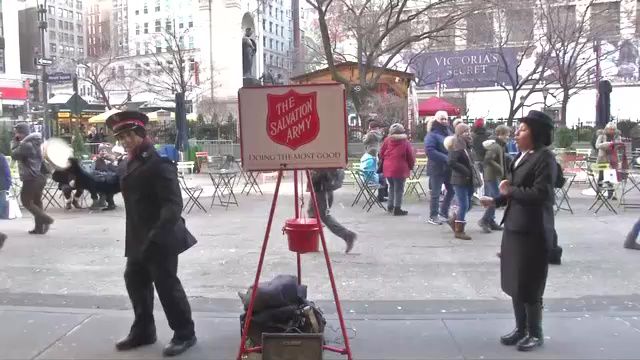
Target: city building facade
column 13, row 92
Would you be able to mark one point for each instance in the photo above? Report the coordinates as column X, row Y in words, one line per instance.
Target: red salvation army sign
column 293, row 127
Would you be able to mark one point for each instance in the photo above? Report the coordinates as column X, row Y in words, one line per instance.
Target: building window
column 565, row 18
column 138, row 69
column 137, row 29
column 79, row 16
column 52, row 10
column 264, row 41
column 60, row 13
column 157, row 5
column 79, row 4
column 270, row 43
column 61, row 24
column 519, row 25
column 167, row 25
column 81, row 52
column 270, row 59
column 191, row 42
column 181, row 25
column 137, row 12
column 282, row 46
column 158, row 47
column 264, row 25
column 264, row 58
column 120, row 72
column 190, row 22
column 445, row 38
column 480, row 29
column 52, row 48
column 270, row 27
column 158, row 26
column 52, row 35
column 605, row 19
column 146, row 28
column 137, row 48
column 145, row 10
column 79, row 26
column 80, row 40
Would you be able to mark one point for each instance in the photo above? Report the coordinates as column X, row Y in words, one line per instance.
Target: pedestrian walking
column 324, row 183
column 464, row 177
column 480, row 135
column 5, row 185
column 26, row 149
column 529, row 226
column 398, row 159
column 438, row 168
column 495, row 170
column 630, row 241
column 155, row 235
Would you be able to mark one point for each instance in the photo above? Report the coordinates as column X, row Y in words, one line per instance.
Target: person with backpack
column 398, row 159
column 325, row 182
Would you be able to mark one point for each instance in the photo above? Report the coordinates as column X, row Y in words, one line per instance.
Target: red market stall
column 430, row 106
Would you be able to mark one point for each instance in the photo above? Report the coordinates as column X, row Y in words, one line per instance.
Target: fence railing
column 217, row 147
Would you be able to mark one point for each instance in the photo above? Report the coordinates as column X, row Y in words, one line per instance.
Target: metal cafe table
column 223, row 181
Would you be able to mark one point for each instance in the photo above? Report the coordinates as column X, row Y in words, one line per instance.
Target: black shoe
column 530, row 343
column 45, row 228
column 109, row 208
column 350, row 242
column 390, row 209
column 68, row 206
column 3, row 238
column 486, row 228
column 513, row 337
column 177, row 347
column 38, row 230
column 399, row 212
column 494, row 226
column 131, row 342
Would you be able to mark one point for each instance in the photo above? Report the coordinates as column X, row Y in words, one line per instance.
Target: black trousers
column 140, row 276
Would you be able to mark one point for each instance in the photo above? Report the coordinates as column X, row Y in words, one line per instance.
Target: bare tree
column 574, row 37
column 105, row 75
column 523, row 54
column 173, row 63
column 381, row 30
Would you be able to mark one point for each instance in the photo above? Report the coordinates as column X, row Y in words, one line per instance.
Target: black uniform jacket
column 153, row 204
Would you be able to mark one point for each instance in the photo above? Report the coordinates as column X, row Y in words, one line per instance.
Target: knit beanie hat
column 22, row 128
column 396, row 128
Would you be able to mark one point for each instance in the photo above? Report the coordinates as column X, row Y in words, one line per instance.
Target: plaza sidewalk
column 71, row 333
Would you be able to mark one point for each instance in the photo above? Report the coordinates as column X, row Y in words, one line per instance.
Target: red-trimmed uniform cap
column 126, row 120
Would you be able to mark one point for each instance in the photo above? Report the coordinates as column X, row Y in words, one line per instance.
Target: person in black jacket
column 155, row 235
column 528, row 194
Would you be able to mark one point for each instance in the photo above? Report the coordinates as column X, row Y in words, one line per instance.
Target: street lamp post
column 545, row 93
column 522, row 99
column 42, row 25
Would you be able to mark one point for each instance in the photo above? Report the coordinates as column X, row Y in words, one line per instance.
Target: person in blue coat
column 438, row 168
column 5, row 184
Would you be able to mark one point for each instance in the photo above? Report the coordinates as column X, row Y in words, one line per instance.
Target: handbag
column 380, row 166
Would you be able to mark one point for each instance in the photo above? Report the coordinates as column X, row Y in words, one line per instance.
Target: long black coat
column 528, row 226
column 153, row 204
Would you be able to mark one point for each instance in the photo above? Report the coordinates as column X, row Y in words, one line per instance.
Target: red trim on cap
column 128, row 122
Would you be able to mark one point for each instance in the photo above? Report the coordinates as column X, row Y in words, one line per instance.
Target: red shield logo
column 292, row 118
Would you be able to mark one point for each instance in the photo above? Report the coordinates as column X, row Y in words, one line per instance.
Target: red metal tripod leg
column 247, row 320
column 297, row 212
column 347, row 347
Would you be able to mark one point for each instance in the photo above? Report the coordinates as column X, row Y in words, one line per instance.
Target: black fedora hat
column 538, row 118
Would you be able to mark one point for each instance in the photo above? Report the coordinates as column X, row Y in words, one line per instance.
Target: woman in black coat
column 528, row 228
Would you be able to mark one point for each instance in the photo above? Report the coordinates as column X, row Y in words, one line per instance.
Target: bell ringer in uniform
column 155, row 235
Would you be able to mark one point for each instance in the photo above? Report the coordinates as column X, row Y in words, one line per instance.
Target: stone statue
column 248, row 53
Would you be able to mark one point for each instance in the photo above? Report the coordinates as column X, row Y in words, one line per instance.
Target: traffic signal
column 34, row 90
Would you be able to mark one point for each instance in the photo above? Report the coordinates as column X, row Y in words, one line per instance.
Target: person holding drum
column 155, row 235
column 26, row 149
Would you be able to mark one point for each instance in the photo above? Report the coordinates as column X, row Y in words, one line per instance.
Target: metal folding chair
column 366, row 190
column 601, row 189
column 629, row 183
column 49, row 194
column 193, row 195
column 413, row 183
column 562, row 194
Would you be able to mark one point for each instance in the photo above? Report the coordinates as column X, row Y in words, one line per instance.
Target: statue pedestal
column 251, row 82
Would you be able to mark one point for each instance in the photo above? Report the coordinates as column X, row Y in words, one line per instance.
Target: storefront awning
column 7, row 93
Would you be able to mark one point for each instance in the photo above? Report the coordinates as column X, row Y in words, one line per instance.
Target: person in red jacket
column 398, row 159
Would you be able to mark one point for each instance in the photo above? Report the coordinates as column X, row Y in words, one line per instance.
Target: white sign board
column 293, row 127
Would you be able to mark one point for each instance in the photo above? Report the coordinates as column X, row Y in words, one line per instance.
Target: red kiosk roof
column 430, row 106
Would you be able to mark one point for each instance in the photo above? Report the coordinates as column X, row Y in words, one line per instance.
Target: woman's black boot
column 534, row 337
column 520, row 332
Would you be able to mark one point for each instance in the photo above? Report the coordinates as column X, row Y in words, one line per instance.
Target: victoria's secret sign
column 465, row 69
